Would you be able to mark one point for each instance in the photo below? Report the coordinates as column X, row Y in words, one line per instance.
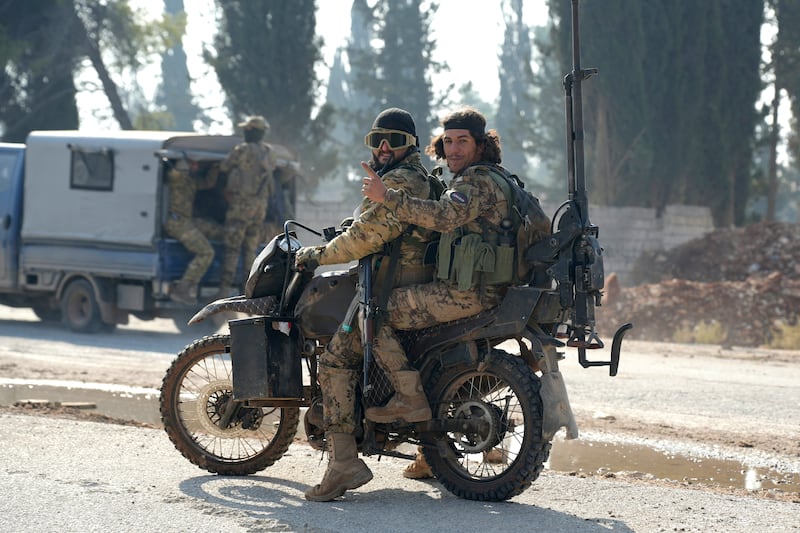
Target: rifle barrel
column 576, row 111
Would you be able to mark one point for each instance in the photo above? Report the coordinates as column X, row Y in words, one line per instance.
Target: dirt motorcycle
column 232, row 403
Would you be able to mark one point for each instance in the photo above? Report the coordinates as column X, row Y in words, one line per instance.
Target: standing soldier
column 249, row 166
column 184, row 180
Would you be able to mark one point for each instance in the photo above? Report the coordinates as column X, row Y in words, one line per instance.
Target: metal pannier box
column 265, row 362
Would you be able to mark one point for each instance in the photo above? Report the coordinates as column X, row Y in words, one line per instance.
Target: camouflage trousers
column 411, row 307
column 240, row 236
column 194, row 234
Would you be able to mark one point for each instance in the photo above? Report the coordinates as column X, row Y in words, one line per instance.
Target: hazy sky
column 468, row 34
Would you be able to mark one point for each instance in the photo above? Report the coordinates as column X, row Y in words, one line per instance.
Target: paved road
column 71, row 476
column 68, row 475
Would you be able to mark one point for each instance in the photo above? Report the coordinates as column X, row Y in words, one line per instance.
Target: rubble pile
column 726, row 255
column 745, row 282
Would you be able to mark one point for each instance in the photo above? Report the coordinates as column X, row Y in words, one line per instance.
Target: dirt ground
column 736, row 287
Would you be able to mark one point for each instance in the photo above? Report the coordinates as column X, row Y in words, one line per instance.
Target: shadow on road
column 280, row 504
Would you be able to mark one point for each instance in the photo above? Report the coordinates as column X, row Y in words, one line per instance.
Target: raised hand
column 373, row 188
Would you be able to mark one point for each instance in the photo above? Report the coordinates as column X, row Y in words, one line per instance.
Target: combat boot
column 419, row 469
column 408, row 403
column 181, row 292
column 345, row 470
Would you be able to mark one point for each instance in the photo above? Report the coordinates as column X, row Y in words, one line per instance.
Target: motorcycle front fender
column 236, row 304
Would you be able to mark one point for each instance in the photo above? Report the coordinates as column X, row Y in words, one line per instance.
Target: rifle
column 367, row 303
column 573, row 254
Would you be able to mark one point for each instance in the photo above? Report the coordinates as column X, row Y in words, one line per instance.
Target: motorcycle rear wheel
column 195, row 394
column 500, row 462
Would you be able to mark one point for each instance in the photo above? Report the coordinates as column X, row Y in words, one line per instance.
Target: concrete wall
column 625, row 232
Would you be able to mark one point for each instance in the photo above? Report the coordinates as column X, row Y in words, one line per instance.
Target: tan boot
column 408, row 403
column 345, row 470
column 181, row 292
column 419, row 469
column 495, row 456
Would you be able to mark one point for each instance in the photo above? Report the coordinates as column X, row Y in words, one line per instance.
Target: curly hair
column 470, row 119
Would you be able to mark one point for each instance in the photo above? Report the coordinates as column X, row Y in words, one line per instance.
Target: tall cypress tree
column 352, row 103
column 265, row 57
column 390, row 61
column 174, row 92
column 515, row 113
column 671, row 117
column 400, row 77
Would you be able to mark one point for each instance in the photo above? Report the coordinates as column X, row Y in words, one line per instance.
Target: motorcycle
column 231, row 403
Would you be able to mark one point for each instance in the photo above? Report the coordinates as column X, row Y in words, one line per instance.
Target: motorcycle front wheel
column 207, row 426
column 500, row 451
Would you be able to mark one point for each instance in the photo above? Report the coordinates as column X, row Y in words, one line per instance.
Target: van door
column 11, row 171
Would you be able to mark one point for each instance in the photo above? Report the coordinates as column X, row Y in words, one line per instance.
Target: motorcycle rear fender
column 557, row 412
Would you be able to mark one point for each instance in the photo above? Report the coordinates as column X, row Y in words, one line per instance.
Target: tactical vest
column 468, row 258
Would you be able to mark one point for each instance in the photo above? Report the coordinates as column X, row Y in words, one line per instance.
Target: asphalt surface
column 61, row 474
column 69, row 475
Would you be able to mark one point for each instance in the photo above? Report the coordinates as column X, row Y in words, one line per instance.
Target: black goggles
column 396, row 139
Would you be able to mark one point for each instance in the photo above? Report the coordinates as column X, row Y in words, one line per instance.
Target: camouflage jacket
column 249, row 167
column 182, row 189
column 376, row 225
column 471, row 194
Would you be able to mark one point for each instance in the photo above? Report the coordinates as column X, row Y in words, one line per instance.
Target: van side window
column 92, row 170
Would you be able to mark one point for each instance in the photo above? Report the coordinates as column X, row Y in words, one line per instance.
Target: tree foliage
column 45, row 44
column 671, row 117
column 515, row 112
column 351, row 103
column 38, row 52
column 265, row 55
column 174, row 94
column 405, row 62
column 393, row 68
column 786, row 63
column 265, row 58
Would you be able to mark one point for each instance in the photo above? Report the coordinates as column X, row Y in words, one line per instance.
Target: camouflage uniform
column 368, row 234
column 249, row 166
column 472, row 194
column 193, row 233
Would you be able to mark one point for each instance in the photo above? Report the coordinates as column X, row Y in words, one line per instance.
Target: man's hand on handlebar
column 307, row 258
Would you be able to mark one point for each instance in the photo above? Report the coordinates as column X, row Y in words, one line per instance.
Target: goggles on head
column 396, row 139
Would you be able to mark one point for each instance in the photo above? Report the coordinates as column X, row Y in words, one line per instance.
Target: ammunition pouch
column 468, row 260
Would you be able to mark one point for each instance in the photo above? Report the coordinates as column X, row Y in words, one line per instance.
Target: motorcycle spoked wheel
column 195, row 393
column 503, row 459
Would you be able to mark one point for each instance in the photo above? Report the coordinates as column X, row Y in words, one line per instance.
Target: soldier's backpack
column 529, row 223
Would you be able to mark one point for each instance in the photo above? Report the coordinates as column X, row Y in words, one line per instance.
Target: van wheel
column 79, row 309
